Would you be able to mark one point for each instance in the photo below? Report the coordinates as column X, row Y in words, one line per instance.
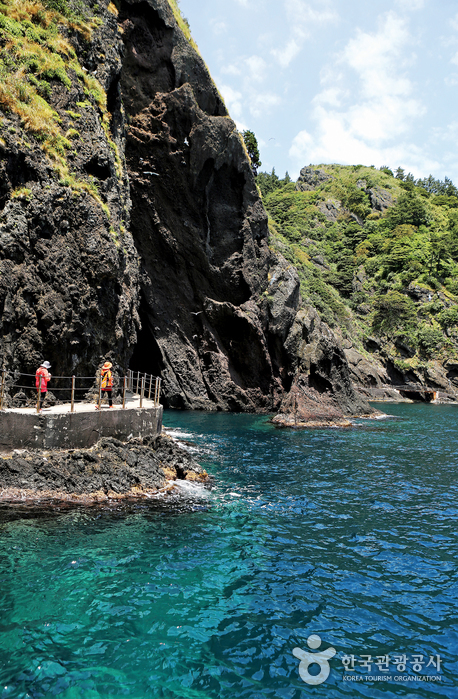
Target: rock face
column 152, row 250
column 111, row 469
column 197, row 223
column 310, row 178
column 68, row 266
column 322, row 391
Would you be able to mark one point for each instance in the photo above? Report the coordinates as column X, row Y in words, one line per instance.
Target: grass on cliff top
column 33, row 53
column 185, row 28
column 182, row 22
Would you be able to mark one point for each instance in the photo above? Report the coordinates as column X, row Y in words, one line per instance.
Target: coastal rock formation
column 109, row 470
column 322, row 391
column 68, row 265
column 140, row 236
column 197, row 222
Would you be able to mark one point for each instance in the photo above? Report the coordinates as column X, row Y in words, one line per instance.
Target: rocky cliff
column 131, row 227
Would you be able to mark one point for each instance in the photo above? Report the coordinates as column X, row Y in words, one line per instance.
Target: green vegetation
column 376, row 253
column 36, row 53
column 21, row 193
column 251, row 145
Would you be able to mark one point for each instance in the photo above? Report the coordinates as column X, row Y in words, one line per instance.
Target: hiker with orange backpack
column 106, row 377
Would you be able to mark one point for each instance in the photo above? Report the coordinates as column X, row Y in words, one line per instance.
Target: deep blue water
column 348, row 534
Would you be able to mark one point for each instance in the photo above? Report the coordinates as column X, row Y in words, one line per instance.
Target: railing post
column 143, row 392
column 100, row 392
column 157, row 390
column 2, row 390
column 138, row 381
column 72, row 407
column 124, row 393
column 150, row 382
column 39, row 394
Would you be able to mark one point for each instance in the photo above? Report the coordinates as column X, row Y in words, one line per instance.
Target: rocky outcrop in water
column 322, row 392
column 109, row 470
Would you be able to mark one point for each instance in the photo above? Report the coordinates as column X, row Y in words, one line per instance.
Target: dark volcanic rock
column 109, row 469
column 310, row 178
column 68, row 267
column 158, row 256
column 380, row 198
column 322, row 390
column 197, row 222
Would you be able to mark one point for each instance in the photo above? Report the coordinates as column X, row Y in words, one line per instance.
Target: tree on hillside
column 409, row 210
column 391, row 311
column 267, row 182
column 251, row 144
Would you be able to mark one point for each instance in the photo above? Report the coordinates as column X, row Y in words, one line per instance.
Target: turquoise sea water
column 348, row 534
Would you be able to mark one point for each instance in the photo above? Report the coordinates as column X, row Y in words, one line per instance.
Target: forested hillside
column 377, row 255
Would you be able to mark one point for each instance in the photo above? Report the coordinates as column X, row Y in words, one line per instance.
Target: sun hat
column 107, row 365
column 46, row 365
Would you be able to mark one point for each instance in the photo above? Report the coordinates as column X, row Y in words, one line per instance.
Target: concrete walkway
column 132, row 403
column 58, row 428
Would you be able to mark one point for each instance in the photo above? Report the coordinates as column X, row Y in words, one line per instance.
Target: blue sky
column 337, row 81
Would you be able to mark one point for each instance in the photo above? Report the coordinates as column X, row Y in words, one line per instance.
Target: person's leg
column 43, row 395
column 110, row 399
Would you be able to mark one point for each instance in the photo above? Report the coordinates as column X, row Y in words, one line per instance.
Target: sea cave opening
column 146, row 357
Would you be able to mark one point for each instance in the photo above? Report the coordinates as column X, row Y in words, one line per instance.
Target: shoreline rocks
column 110, row 470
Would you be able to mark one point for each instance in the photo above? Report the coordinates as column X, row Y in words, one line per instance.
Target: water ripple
column 349, row 535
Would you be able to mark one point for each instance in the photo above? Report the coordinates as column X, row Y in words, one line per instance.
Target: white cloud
column 285, row 55
column 332, row 96
column 218, row 27
column 302, row 17
column 257, row 68
column 261, row 103
column 451, row 80
column 412, row 4
column 447, row 133
column 338, row 146
column 454, row 22
column 231, row 69
column 233, row 101
column 301, row 146
column 357, row 123
column 454, row 59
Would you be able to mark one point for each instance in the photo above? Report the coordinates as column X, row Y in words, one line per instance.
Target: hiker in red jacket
column 42, row 377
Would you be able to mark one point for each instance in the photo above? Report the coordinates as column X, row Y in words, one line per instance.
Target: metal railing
column 146, row 386
column 139, row 383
